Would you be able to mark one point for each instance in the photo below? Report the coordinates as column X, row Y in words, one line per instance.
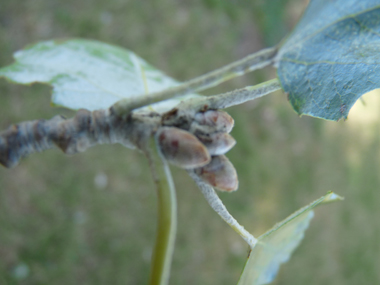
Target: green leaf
column 276, row 246
column 332, row 57
column 88, row 74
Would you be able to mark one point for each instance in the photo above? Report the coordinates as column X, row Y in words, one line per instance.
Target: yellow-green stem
column 167, row 217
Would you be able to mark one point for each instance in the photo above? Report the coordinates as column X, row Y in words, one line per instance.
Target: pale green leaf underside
column 88, row 74
column 276, row 246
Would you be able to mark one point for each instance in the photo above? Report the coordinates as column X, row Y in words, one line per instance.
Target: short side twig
column 73, row 135
column 87, row 128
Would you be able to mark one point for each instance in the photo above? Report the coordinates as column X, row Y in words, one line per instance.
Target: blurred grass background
column 90, row 218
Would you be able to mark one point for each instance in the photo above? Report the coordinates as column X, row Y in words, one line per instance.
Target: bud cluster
column 199, row 142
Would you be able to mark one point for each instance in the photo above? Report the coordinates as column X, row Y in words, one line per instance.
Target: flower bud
column 182, row 148
column 219, row 173
column 217, row 143
column 217, row 119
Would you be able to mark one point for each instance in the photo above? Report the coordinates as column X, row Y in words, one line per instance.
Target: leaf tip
column 332, row 197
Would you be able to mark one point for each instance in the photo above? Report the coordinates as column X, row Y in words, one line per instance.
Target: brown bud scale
column 182, row 148
column 219, row 173
column 220, row 120
column 217, row 143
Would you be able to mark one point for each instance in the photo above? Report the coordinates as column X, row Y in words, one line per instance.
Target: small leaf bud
column 219, row 173
column 217, row 143
column 220, row 120
column 182, row 148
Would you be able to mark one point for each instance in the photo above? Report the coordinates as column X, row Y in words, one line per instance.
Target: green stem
column 167, row 218
column 249, row 63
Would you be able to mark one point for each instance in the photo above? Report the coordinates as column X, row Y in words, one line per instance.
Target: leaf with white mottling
column 277, row 245
column 88, row 74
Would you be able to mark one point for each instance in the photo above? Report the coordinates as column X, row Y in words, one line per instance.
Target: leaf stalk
column 217, row 205
column 167, row 217
column 247, row 64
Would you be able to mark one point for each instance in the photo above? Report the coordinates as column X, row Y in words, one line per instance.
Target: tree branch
column 74, row 135
column 87, row 128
